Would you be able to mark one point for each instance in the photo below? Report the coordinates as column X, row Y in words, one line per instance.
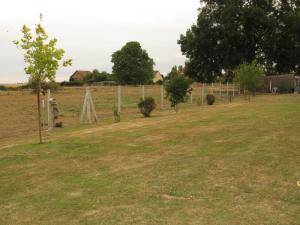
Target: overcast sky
column 91, row 30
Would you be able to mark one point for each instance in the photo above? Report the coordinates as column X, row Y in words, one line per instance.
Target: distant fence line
column 126, row 97
column 198, row 89
column 19, row 107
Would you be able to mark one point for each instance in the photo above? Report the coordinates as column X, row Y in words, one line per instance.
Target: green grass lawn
column 231, row 164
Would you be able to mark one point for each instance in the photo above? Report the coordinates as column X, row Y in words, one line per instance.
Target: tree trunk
column 39, row 111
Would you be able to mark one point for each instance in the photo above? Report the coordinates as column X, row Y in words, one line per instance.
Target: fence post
column 119, row 99
column 202, row 98
column 143, row 92
column 162, row 97
column 212, row 88
column 239, row 89
column 227, row 90
column 270, row 85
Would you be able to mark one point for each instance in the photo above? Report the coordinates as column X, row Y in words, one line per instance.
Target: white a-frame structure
column 88, row 114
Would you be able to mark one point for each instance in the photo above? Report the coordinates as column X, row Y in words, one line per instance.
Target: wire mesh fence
column 19, row 115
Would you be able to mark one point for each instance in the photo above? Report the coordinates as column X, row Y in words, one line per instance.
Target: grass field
column 226, row 164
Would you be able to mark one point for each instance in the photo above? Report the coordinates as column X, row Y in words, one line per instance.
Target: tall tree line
column 230, row 32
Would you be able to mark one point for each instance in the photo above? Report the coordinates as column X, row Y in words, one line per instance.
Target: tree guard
column 88, row 114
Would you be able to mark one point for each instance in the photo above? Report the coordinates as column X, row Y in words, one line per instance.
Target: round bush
column 210, row 99
column 146, row 106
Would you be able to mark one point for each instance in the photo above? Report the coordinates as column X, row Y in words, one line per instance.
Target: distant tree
column 132, row 65
column 42, row 59
column 44, row 85
column 177, row 89
column 175, row 71
column 249, row 75
column 96, row 76
column 230, row 32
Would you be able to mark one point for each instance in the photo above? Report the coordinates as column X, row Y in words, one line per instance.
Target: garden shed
column 281, row 83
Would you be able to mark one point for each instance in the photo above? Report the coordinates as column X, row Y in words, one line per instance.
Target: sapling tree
column 42, row 59
column 177, row 90
column 249, row 75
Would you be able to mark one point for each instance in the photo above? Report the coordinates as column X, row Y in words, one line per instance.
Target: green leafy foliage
column 132, row 65
column 42, row 57
column 249, row 75
column 175, row 71
column 146, row 106
column 96, row 76
column 230, row 32
column 51, row 85
column 210, row 99
column 177, row 89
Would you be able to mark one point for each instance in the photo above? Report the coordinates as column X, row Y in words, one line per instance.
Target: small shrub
column 178, row 87
column 210, row 99
column 249, row 76
column 147, row 106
